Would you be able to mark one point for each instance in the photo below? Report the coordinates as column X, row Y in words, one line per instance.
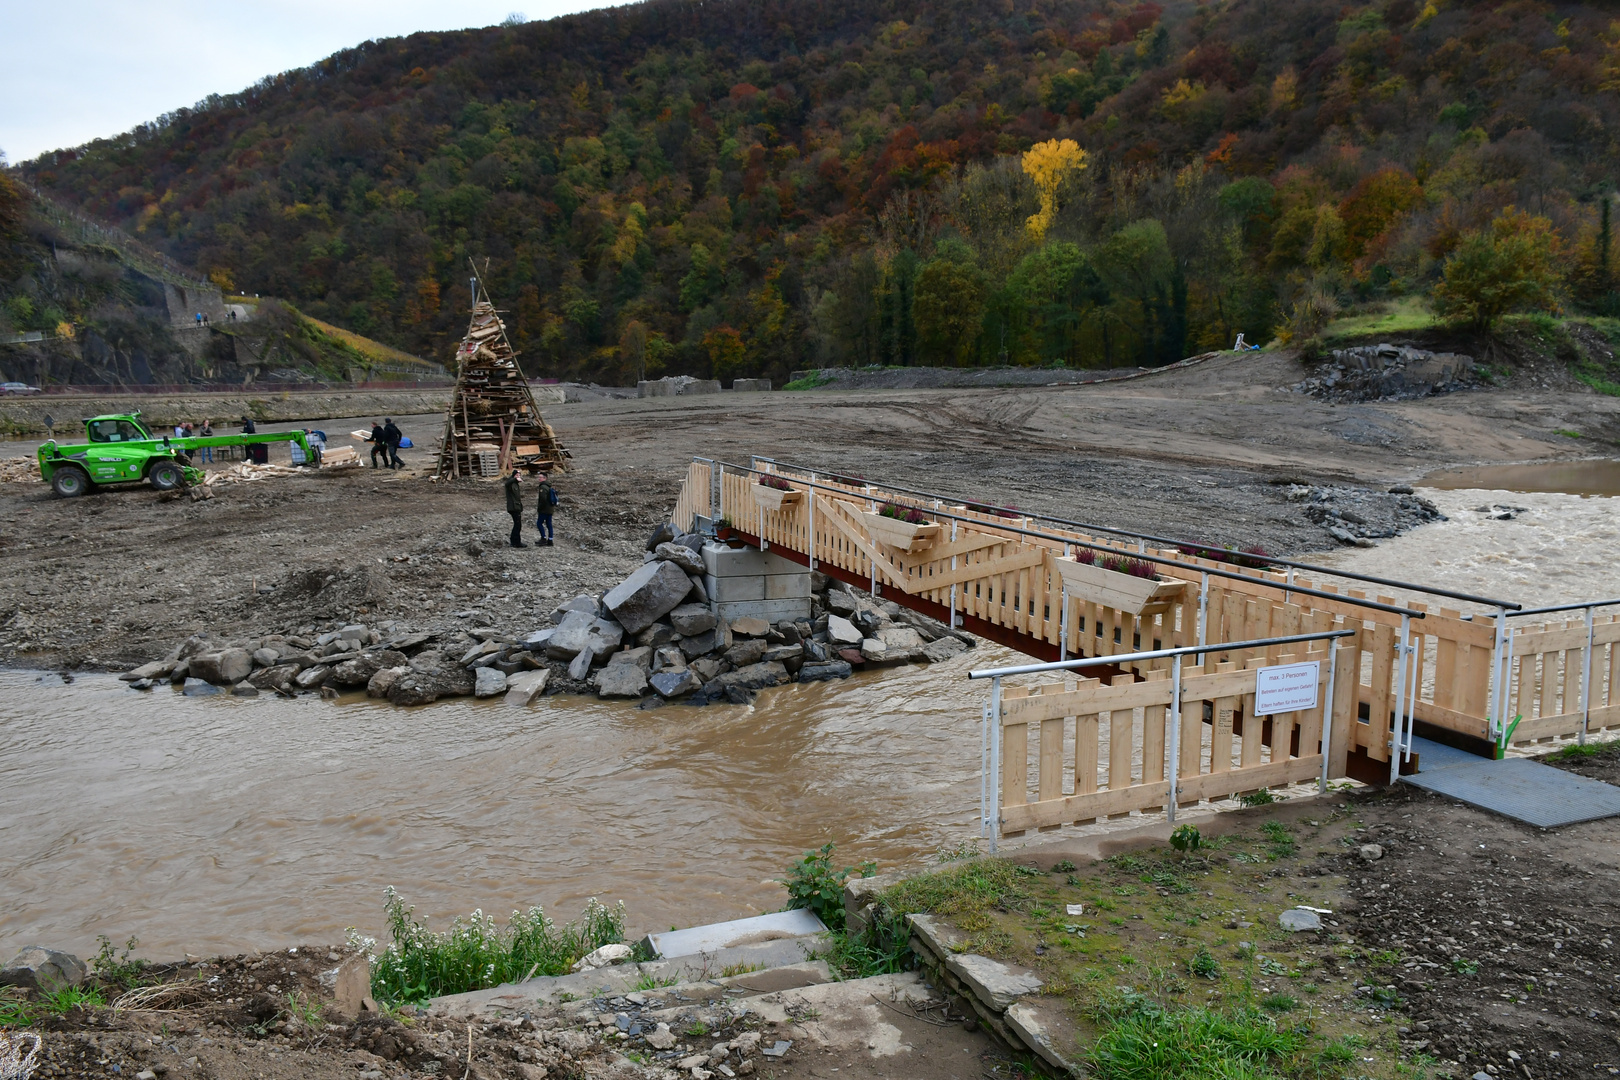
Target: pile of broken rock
column 653, row 637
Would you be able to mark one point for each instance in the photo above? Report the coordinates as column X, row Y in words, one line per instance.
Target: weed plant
column 475, row 953
column 1143, row 1040
column 120, row 969
column 813, row 884
column 963, row 892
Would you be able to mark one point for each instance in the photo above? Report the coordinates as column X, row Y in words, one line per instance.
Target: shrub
column 1509, row 266
column 474, row 954
column 1119, row 564
column 776, row 482
column 908, row 514
column 812, row 883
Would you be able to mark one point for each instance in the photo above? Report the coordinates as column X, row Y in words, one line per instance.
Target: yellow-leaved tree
column 1049, row 164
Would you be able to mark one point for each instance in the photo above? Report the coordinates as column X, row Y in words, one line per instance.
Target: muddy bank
column 20, row 416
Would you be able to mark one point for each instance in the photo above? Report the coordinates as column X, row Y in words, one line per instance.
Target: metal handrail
column 1155, row 654
column 1142, row 556
column 1352, row 575
column 1563, row 607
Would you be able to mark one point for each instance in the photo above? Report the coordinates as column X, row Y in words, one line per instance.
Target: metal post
column 1412, row 692
column 1063, row 627
column 1401, row 649
column 871, row 505
column 984, row 771
column 1288, row 593
column 1327, row 714
column 1498, row 693
column 811, row 499
column 993, row 818
column 1203, row 610
column 1175, row 737
column 1586, row 680
column 953, row 584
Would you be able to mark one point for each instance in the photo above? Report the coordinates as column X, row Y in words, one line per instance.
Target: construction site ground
column 1208, row 452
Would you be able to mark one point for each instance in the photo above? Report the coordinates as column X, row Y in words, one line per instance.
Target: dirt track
column 1204, row 452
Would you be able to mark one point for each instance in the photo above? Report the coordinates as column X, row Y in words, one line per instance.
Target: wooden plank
column 1525, row 693
column 1190, row 760
column 1085, row 756
column 1121, row 724
column 1310, row 721
column 1381, row 699
column 1230, row 680
column 1220, row 737
column 1345, row 688
column 1551, row 638
column 1153, row 717
column 1089, row 807
column 1552, row 676
column 1049, row 770
column 1014, row 755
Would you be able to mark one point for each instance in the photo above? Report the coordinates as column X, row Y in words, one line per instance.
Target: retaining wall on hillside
column 26, row 416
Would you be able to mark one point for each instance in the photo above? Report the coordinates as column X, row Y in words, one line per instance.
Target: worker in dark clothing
column 548, row 502
column 248, row 427
column 379, row 444
column 514, row 506
column 392, row 437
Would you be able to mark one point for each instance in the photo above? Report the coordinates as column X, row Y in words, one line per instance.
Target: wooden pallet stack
column 493, row 424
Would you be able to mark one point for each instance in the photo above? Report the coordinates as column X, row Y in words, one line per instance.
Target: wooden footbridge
column 1466, row 671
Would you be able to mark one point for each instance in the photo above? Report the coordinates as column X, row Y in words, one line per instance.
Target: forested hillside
column 748, row 186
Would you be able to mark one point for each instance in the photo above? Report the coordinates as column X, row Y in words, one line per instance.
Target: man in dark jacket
column 392, row 436
column 547, row 503
column 379, row 444
column 514, row 506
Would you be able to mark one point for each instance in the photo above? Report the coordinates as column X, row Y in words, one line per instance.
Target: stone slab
column 993, row 982
column 759, row 928
column 1046, row 1030
column 772, row 611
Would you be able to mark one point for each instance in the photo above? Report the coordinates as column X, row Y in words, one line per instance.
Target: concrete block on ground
column 699, row 386
column 773, row 611
column 787, row 586
column 724, row 590
column 655, row 388
column 747, row 386
column 721, row 560
column 997, row 985
column 1043, row 1026
column 714, row 936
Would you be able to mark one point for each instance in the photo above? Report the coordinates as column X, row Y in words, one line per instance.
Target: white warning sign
column 1286, row 688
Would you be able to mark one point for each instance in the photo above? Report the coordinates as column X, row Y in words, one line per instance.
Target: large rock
column 659, row 633
column 995, row 984
column 661, row 535
column 688, row 619
column 421, row 687
column 783, row 653
column 358, row 670
column 667, row 658
column 750, row 626
column 265, row 657
column 47, row 970
column 752, row 677
column 310, row 678
column 487, row 682
column 842, row 632
column 224, row 668
column 274, row 678
column 673, row 684
column 745, row 652
column 701, row 644
column 157, row 669
column 840, row 602
column 876, row 652
column 942, row 649
column 580, row 666
column 820, row 672
column 384, row 681
column 581, row 602
column 641, row 657
column 200, row 688
column 537, row 641
column 522, row 690
column 621, row 681
column 682, row 556
column 580, row 631
column 647, row 595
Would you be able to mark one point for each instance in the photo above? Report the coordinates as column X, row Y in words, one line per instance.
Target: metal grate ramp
column 1518, row 788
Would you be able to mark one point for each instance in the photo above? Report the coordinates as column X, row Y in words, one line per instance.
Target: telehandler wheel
column 165, row 476
column 69, row 481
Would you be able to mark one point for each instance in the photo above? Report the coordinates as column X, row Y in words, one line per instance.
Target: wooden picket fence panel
column 982, row 568
column 1073, row 754
column 1548, row 671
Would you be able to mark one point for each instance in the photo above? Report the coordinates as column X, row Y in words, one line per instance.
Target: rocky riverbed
column 653, row 638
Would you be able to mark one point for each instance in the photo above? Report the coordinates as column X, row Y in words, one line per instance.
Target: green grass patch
column 965, row 892
column 1406, row 315
column 17, row 1011
column 1579, row 752
column 476, row 953
column 1144, row 1040
column 809, row 382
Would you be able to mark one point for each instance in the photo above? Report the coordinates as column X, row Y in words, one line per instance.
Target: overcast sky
column 76, row 70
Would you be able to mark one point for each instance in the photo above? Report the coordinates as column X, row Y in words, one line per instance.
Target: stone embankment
column 653, row 638
column 1387, row 372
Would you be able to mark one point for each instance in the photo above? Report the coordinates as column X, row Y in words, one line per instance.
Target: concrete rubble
column 1386, row 372
column 655, row 637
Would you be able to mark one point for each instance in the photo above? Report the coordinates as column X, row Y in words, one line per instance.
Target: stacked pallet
column 493, row 424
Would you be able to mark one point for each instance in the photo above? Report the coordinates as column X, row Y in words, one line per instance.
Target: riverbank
column 25, row 416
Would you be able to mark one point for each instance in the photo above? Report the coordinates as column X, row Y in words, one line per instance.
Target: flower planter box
column 900, row 534
column 775, row 498
column 1122, row 592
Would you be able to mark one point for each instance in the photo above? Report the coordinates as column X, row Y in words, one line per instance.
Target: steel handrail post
column 1203, row 609
column 1063, row 627
column 1327, row 715
column 994, row 817
column 1586, row 680
column 1175, row 738
column 1498, row 684
column 1412, row 695
column 1288, row 594
column 984, row 770
column 1400, row 701
column 953, row 584
column 811, row 499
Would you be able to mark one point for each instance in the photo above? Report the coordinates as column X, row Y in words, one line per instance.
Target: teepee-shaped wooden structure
column 493, row 424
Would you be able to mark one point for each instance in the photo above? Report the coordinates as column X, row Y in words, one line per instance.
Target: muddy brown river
column 219, row 824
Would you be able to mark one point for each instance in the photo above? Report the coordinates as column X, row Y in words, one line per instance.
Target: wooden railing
column 1076, row 753
column 1557, row 689
column 1012, row 579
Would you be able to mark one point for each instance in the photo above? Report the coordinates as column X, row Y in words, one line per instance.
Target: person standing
column 206, row 452
column 378, row 443
column 547, row 503
column 514, row 506
column 391, row 438
column 248, row 427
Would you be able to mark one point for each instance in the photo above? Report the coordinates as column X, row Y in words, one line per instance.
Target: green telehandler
column 118, row 449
